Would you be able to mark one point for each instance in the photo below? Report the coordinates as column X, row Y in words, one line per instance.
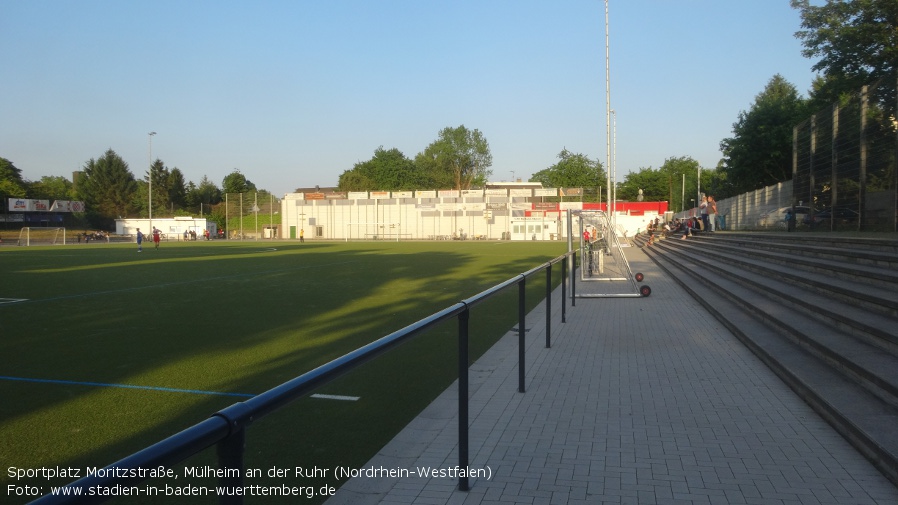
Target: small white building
column 171, row 228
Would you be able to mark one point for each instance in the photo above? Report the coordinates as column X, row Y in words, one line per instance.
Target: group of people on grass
column 95, row 235
column 157, row 236
column 192, row 235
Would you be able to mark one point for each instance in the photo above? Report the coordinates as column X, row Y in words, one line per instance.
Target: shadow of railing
column 226, row 429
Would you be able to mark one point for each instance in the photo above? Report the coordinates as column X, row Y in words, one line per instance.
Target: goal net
column 29, row 236
column 374, row 231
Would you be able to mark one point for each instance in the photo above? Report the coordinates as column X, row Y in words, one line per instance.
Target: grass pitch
column 104, row 350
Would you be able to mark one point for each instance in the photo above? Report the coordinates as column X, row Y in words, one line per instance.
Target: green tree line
column 110, row 190
column 459, row 158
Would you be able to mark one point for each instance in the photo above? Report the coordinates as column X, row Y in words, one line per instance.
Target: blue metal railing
column 226, row 429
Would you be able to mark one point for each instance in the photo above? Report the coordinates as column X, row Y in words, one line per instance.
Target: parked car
column 777, row 217
column 841, row 215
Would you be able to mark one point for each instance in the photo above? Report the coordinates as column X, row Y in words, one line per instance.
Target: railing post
column 549, row 306
column 563, row 290
column 230, row 457
column 522, row 317
column 574, row 279
column 463, row 318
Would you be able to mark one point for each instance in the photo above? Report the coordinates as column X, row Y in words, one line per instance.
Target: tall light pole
column 607, row 108
column 150, row 156
column 683, row 194
column 698, row 184
column 614, row 168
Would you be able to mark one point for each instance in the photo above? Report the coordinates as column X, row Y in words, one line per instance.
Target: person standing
column 712, row 213
column 139, row 241
column 156, row 237
column 302, row 234
column 703, row 209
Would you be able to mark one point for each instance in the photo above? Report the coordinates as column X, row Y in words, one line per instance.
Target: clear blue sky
column 293, row 93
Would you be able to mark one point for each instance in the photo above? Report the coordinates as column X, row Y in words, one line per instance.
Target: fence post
column 463, row 318
column 230, row 457
column 862, row 175
column 549, row 307
column 563, row 290
column 522, row 284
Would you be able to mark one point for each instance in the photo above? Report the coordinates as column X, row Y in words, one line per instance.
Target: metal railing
column 226, row 429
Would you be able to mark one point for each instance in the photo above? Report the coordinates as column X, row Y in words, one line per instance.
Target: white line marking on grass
column 337, row 397
column 179, row 283
column 12, row 300
column 126, row 386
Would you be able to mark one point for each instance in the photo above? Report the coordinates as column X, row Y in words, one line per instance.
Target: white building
column 511, row 212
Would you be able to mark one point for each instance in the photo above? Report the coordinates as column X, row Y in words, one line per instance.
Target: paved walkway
column 643, row 401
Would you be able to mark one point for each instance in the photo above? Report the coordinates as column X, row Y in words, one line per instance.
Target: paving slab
column 639, row 400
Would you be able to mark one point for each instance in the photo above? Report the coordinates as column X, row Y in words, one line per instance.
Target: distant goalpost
column 41, row 236
column 373, row 231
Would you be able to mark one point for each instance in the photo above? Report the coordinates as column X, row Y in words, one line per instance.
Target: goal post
column 373, row 231
column 29, row 236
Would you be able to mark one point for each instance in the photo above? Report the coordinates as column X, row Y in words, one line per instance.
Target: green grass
column 236, row 318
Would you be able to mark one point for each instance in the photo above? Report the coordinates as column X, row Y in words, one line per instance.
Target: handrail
column 227, row 427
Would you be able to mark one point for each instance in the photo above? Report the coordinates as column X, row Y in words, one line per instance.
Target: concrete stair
column 820, row 310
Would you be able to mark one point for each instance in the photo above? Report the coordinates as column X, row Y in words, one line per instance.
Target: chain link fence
column 248, row 216
column 844, row 171
column 844, row 162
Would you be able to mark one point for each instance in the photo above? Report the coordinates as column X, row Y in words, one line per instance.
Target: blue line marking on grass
column 126, row 386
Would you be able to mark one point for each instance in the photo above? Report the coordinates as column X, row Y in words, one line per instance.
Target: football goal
column 41, row 236
column 375, row 231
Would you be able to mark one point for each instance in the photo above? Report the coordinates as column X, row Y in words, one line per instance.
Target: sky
column 294, row 93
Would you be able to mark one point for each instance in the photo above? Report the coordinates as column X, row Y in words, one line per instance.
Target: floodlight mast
column 150, row 177
column 613, row 213
column 607, row 112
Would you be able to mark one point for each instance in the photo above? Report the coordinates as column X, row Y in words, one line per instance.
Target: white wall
column 483, row 216
column 172, row 229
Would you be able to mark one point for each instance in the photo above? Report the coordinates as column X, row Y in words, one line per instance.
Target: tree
column 11, row 183
column 682, row 176
column 572, row 171
column 655, row 185
column 856, row 42
column 52, row 187
column 107, row 189
column 760, row 151
column 355, row 180
column 177, row 191
column 206, row 193
column 386, row 170
column 460, row 158
column 159, row 175
column 235, row 182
